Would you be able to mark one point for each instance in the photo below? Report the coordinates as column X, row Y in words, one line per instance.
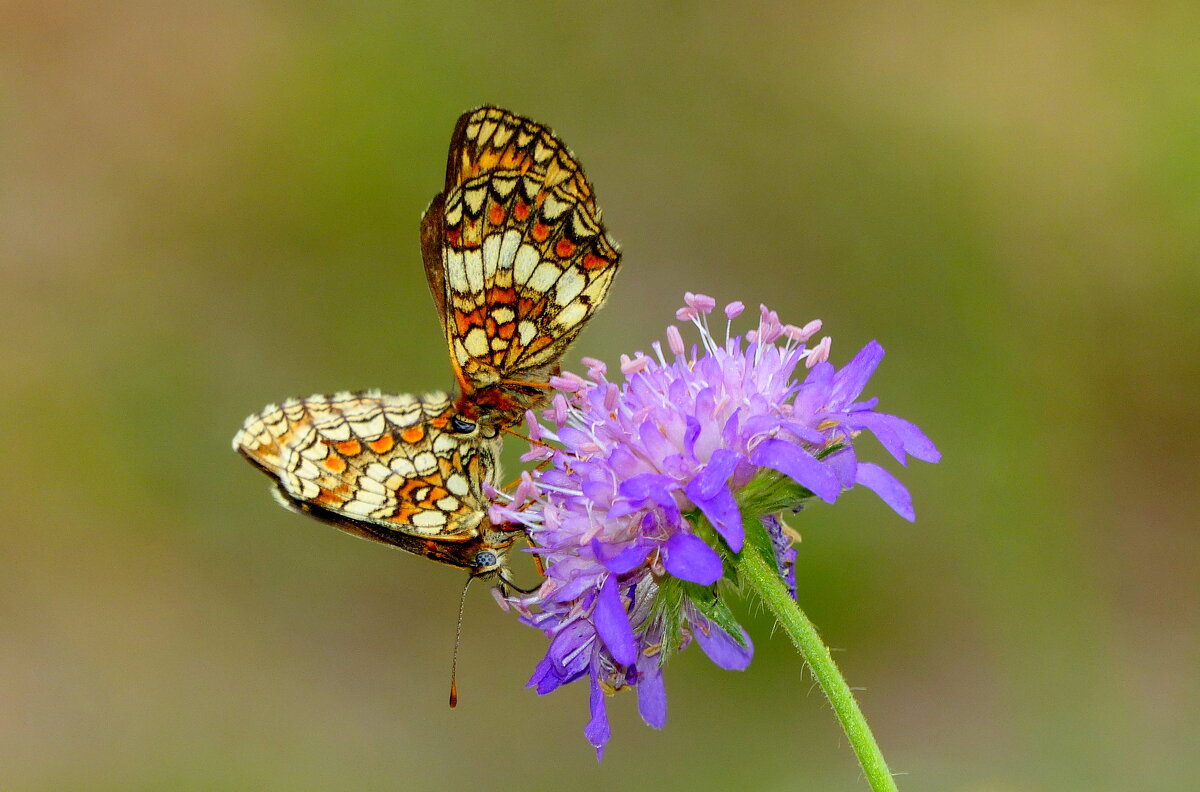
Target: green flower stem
column 764, row 578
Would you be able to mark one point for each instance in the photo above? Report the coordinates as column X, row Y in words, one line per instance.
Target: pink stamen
column 560, row 409
column 675, row 340
column 596, row 368
column 734, row 309
column 686, row 314
column 568, row 382
column 611, row 395
column 535, row 429
column 631, row 366
column 819, row 353
column 701, row 303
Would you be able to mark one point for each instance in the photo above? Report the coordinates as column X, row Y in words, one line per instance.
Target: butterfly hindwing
column 401, row 466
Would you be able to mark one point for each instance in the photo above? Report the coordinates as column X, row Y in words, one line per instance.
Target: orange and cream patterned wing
column 380, row 466
column 524, row 259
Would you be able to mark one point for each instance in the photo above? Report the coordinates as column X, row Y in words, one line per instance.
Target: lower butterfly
column 401, row 470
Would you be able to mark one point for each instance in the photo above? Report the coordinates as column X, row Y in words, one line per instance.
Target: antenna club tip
column 453, row 697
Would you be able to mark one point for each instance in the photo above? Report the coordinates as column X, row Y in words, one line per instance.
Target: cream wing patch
column 393, row 461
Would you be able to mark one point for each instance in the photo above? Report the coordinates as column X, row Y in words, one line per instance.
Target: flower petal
column 798, row 465
column 904, row 436
column 652, row 693
column 689, row 558
column 720, row 647
column 887, row 487
column 722, row 511
column 612, row 623
column 620, row 561
column 713, row 476
column 597, row 731
column 649, row 486
column 852, row 378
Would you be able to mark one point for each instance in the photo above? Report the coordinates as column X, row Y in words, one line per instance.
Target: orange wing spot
column 404, row 514
column 334, row 463
column 564, row 248
column 498, row 296
column 435, row 494
column 327, row 498
column 540, row 342
column 383, row 444
column 487, row 160
column 454, row 236
column 349, row 448
column 541, row 231
column 496, row 214
column 521, row 211
column 413, row 434
column 592, row 261
column 506, row 330
column 462, row 321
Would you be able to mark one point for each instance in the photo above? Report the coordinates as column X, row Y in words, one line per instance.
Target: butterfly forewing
column 398, row 469
column 524, row 259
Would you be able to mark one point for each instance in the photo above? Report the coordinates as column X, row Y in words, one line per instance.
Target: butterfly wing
column 396, row 469
column 525, row 260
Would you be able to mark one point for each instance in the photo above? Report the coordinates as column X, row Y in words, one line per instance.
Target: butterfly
column 517, row 261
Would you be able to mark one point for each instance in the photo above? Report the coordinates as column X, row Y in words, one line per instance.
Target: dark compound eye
column 461, row 425
column 485, row 560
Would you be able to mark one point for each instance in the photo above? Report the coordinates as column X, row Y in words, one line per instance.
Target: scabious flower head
column 655, row 485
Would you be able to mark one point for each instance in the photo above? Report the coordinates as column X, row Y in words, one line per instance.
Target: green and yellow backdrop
column 206, row 207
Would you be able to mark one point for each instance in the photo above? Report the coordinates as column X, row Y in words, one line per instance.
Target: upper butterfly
column 517, row 261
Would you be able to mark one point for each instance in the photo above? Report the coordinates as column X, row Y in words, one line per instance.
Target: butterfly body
column 517, row 261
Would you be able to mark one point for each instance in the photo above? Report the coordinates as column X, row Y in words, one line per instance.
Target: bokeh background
column 206, row 207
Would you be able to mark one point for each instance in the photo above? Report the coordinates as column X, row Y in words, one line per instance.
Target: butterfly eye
column 461, row 425
column 485, row 561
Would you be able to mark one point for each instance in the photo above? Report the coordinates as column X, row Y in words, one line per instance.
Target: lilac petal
column 887, row 487
column 567, row 651
column 852, row 378
column 689, row 558
column 887, row 436
column 910, row 437
column 814, row 393
column 623, row 462
column 729, row 434
column 844, row 464
column 597, row 731
column 714, row 475
column 798, row 465
column 572, row 589
column 690, row 436
column 652, row 693
column 612, row 623
column 544, row 678
column 649, row 486
column 805, row 433
column 654, row 441
column 722, row 511
column 720, row 647
column 619, row 561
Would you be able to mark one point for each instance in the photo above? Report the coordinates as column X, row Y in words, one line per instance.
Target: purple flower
column 653, row 484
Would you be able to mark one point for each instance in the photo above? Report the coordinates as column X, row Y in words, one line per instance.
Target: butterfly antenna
column 462, row 605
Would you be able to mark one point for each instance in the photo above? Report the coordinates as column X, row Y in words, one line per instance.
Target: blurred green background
column 206, row 207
